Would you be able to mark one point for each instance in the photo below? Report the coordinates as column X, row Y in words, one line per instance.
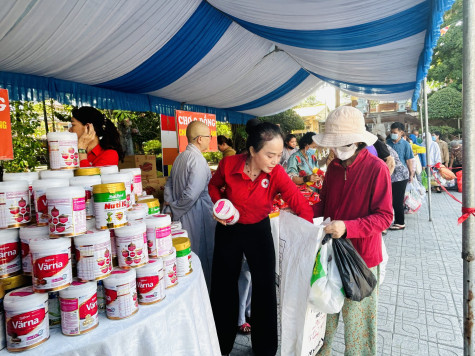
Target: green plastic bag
column 425, row 181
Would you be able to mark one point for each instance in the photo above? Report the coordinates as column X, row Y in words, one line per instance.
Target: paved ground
column 420, row 311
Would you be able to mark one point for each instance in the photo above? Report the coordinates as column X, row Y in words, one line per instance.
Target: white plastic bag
column 326, row 293
column 412, row 199
column 383, row 264
column 303, row 329
column 419, row 187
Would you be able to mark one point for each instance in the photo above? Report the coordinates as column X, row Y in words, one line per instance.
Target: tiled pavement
column 420, row 310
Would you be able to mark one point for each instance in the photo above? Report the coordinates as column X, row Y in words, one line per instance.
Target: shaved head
column 196, row 128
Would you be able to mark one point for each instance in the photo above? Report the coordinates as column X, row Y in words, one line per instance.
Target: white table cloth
column 181, row 324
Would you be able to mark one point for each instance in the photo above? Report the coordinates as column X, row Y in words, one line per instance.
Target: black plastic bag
column 358, row 281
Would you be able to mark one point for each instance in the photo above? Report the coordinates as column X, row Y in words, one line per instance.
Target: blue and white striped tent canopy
column 234, row 58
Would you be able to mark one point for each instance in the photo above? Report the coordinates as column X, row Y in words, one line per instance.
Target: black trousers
column 399, row 190
column 255, row 241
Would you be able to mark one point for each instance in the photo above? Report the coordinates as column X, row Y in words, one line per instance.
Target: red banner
column 184, row 118
column 6, row 146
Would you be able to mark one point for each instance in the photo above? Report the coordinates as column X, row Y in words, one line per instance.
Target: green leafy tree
column 309, row 101
column 28, row 149
column 445, row 104
column 446, row 66
column 222, row 128
column 152, row 147
column 141, row 126
column 446, row 131
column 287, row 120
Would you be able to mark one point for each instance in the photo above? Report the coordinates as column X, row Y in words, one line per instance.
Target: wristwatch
column 82, row 150
column 306, row 179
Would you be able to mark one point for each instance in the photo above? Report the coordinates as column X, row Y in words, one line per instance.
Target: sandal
column 397, row 227
column 244, row 329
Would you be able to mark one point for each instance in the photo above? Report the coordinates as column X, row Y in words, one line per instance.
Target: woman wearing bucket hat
column 356, row 196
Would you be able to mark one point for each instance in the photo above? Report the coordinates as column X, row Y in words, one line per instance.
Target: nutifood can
column 110, row 205
column 183, row 256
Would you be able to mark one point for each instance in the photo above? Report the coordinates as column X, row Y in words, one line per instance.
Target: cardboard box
column 155, row 187
column 147, row 163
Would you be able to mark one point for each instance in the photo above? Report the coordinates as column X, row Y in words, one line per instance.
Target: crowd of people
column 362, row 192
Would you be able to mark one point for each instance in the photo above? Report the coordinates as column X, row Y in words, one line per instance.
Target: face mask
column 344, row 152
column 434, row 138
column 311, row 151
column 394, row 136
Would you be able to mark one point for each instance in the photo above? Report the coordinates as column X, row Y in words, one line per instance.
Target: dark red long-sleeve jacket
column 361, row 196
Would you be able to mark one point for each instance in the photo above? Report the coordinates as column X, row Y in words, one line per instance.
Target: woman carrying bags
column 252, row 180
column 356, row 196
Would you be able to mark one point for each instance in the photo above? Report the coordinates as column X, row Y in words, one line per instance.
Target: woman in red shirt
column 251, row 180
column 98, row 138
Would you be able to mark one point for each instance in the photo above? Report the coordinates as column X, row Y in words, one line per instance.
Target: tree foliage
column 446, row 131
column 222, row 128
column 309, row 101
column 288, row 120
column 141, row 127
column 28, row 149
column 446, row 66
column 445, row 103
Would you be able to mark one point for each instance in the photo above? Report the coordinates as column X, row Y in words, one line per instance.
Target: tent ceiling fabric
column 251, row 57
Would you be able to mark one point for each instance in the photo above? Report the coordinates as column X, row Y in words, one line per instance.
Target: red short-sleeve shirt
column 98, row 157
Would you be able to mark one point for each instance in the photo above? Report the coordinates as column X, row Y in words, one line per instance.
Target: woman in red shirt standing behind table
column 356, row 196
column 252, row 180
column 98, row 138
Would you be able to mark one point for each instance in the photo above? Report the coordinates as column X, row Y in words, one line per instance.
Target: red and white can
column 26, row 315
column 137, row 188
column 79, row 311
column 50, row 174
column 15, row 208
column 63, row 150
column 29, row 177
column 121, row 294
column 176, row 225
column 138, row 213
column 159, row 240
column 109, row 169
column 131, row 243
column 151, row 282
column 27, row 234
column 10, row 253
column 93, row 255
column 86, row 182
column 225, row 210
column 67, row 211
column 51, row 261
column 39, row 194
column 169, row 265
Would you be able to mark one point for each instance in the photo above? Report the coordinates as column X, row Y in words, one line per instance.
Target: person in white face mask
column 356, row 196
column 406, row 156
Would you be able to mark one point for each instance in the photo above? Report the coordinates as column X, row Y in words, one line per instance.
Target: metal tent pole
column 468, row 198
column 427, row 138
column 420, row 115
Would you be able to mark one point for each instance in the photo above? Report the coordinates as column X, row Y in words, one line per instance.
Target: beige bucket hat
column 344, row 125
